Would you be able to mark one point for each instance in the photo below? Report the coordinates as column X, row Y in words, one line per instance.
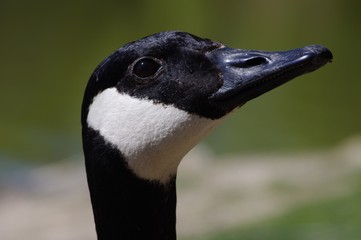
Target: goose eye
column 146, row 67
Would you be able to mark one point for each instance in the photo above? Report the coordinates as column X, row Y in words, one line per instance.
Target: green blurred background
column 50, row 48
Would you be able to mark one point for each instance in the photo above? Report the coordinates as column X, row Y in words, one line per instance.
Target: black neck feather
column 124, row 206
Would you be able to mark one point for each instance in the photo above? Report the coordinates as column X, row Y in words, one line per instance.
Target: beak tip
column 323, row 54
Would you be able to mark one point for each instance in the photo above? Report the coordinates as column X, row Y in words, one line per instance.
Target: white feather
column 152, row 137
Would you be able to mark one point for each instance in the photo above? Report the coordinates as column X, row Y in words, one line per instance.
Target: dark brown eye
column 146, row 67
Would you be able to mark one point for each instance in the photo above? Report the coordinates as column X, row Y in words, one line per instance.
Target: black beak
column 249, row 74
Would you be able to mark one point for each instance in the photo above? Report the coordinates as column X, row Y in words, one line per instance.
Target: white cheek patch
column 152, row 137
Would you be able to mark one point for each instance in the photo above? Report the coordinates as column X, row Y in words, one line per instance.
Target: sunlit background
column 49, row 49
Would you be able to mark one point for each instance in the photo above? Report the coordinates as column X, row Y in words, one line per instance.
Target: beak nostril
column 248, row 62
column 255, row 61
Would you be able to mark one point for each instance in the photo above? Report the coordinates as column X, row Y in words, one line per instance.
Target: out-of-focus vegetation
column 49, row 49
column 327, row 219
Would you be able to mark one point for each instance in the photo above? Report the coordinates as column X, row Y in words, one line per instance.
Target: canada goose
column 149, row 103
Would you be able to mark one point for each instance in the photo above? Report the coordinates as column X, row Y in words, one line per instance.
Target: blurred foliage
column 327, row 219
column 49, row 49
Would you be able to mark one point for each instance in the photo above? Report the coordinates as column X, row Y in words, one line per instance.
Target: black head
column 155, row 98
column 168, row 67
column 198, row 75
